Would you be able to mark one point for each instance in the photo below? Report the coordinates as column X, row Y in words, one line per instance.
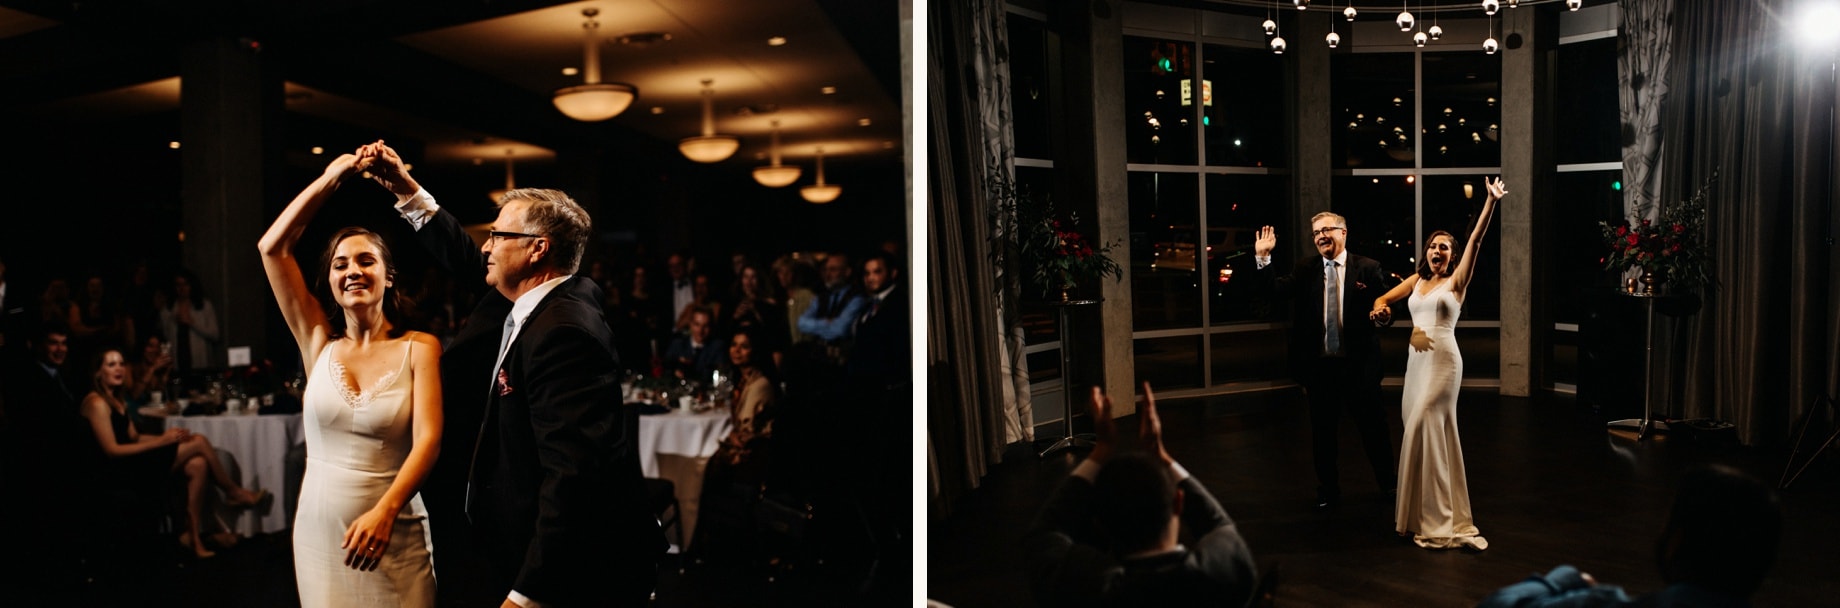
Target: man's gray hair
column 559, row 218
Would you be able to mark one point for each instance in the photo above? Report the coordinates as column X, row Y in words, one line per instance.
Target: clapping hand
column 1265, row 240
column 1105, row 431
column 1150, row 430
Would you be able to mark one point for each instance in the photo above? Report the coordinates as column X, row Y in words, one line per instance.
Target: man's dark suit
column 703, row 361
column 1349, row 382
column 1068, row 566
column 553, row 491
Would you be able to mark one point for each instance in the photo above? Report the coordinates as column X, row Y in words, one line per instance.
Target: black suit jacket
column 881, row 353
column 1364, row 282
column 553, row 486
column 1070, row 565
column 711, row 358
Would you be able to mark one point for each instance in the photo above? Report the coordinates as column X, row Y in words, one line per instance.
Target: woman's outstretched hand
column 1497, row 189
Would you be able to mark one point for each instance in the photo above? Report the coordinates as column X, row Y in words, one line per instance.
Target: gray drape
column 1747, row 104
column 1642, row 63
column 977, row 377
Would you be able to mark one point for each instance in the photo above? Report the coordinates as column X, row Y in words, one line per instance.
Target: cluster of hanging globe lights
column 1405, row 21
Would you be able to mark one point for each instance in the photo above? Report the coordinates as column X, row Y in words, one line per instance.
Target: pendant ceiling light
column 709, row 147
column 1404, row 20
column 1490, row 6
column 820, row 192
column 776, row 175
column 1333, row 38
column 1574, row 4
column 1489, row 46
column 1350, row 12
column 510, row 179
column 593, row 100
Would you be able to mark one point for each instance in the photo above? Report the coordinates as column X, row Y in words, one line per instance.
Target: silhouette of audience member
column 1110, row 534
column 13, row 313
column 190, row 323
column 1719, row 543
column 832, row 315
column 796, row 279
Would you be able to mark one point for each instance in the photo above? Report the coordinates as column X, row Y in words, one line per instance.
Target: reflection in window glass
column 1462, row 121
column 1250, row 355
column 1585, row 111
column 1575, row 255
column 1450, row 208
column 1168, row 363
column 1037, row 183
column 1165, row 280
column 1370, row 97
column 1237, row 206
column 1380, row 217
column 1243, row 116
column 1029, row 90
column 1158, row 78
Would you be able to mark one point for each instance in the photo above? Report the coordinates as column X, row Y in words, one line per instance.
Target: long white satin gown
column 356, row 443
column 1433, row 503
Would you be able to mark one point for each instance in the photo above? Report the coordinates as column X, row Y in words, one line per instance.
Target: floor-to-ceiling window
column 1417, row 130
column 1033, row 48
column 1207, row 150
column 1588, row 187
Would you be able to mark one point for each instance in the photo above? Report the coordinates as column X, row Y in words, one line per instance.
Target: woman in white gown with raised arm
column 1433, row 502
column 372, row 409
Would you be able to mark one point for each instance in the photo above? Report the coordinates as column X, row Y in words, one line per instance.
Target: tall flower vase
column 1650, row 282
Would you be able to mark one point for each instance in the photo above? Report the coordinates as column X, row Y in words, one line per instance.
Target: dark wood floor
column 1549, row 486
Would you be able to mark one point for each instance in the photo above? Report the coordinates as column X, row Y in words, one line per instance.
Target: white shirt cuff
column 418, row 208
column 1263, row 260
column 521, row 600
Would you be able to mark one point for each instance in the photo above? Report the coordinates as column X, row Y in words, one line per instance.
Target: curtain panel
column 978, row 378
column 1752, row 107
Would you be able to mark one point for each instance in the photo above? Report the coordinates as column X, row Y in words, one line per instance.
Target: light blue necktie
column 1332, row 300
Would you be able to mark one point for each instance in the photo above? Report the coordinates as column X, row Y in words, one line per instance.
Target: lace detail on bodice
column 355, row 399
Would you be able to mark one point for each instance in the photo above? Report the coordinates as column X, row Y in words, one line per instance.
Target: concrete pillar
column 1528, row 40
column 1090, row 163
column 230, row 102
column 1311, row 163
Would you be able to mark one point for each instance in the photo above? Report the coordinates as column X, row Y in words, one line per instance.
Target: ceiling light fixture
column 776, row 175
column 820, row 193
column 709, row 147
column 510, row 179
column 593, row 100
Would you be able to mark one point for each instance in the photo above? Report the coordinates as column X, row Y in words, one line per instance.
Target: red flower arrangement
column 1054, row 253
column 1674, row 249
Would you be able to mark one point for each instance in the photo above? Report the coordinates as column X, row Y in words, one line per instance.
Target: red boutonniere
column 504, row 383
column 1359, row 285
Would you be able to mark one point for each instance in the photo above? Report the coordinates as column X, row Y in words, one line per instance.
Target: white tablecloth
column 693, row 435
column 260, row 444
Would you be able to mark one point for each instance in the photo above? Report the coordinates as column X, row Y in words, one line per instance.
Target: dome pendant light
column 776, row 175
column 820, row 193
column 709, row 147
column 593, row 100
column 1404, row 20
column 1489, row 46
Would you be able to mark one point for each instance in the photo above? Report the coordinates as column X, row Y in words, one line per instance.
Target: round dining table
column 260, row 444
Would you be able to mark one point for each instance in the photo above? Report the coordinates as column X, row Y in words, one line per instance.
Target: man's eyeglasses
column 501, row 234
column 1326, row 231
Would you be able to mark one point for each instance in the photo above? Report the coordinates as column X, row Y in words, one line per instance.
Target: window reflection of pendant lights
column 510, row 179
column 776, row 175
column 820, row 192
column 593, row 100
column 709, row 147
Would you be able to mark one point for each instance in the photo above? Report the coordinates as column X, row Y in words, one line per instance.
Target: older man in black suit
column 553, row 489
column 1334, row 348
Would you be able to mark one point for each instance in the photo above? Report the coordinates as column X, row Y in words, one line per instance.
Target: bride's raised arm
column 1467, row 264
column 305, row 320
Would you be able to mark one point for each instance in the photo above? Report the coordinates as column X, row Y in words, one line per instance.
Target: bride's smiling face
column 358, row 275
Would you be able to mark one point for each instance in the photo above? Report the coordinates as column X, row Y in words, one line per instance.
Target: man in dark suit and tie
column 553, row 489
column 1334, row 348
column 694, row 355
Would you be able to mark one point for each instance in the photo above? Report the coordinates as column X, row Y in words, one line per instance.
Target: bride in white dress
column 1433, row 502
column 372, row 409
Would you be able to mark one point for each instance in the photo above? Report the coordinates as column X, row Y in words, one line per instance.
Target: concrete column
column 1528, row 39
column 1311, row 158
column 1090, row 163
column 230, row 103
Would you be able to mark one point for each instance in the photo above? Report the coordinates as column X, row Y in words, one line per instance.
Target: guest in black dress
column 735, row 474
column 145, row 463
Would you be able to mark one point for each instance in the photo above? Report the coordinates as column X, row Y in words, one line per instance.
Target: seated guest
column 677, row 267
column 832, row 315
column 700, row 297
column 150, row 372
column 692, row 355
column 756, row 305
column 880, row 358
column 795, row 278
column 732, row 481
column 1718, row 545
column 1108, row 535
column 144, row 462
